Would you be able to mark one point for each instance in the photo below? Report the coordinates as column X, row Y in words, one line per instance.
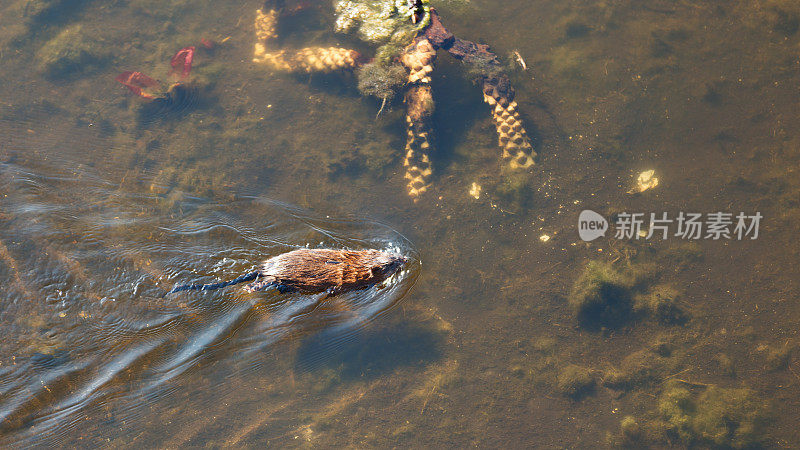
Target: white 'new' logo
column 591, row 225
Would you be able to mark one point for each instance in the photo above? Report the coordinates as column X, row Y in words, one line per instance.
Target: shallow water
column 107, row 202
column 89, row 268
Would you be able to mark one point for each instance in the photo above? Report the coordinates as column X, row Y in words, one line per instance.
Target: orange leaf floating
column 182, row 61
column 137, row 82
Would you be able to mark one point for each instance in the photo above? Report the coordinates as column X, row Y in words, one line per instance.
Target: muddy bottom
column 506, row 328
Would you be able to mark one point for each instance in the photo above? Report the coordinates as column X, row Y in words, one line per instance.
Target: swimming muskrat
column 315, row 271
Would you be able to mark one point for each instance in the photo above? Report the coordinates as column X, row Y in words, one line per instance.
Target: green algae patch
column 608, row 295
column 41, row 11
column 515, row 188
column 378, row 22
column 728, row 417
column 602, row 296
column 388, row 25
column 381, row 80
column 662, row 302
column 36, row 8
column 638, row 433
column 715, row 417
column 630, row 429
column 71, row 52
column 640, row 368
column 208, row 75
column 575, row 381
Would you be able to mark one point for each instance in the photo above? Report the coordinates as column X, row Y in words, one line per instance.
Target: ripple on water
column 87, row 266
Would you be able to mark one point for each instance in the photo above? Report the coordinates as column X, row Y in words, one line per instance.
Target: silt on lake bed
column 507, row 338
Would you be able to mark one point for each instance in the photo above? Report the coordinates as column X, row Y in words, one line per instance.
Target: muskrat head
column 386, row 264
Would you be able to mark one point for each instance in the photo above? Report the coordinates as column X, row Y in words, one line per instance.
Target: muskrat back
column 316, row 270
column 320, row 270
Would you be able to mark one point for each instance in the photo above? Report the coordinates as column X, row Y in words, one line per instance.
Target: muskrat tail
column 209, row 287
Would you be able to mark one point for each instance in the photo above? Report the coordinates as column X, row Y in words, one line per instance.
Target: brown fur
column 327, row 270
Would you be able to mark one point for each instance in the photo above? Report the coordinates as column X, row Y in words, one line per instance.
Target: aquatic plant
column 602, row 297
column 640, row 368
column 728, row 417
column 71, row 52
column 381, row 80
column 387, row 24
column 631, row 430
column 516, row 189
column 40, row 11
column 407, row 34
column 575, row 381
column 662, row 303
column 639, row 433
column 609, row 294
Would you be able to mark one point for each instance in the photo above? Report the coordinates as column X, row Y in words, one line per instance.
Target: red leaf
column 208, row 44
column 137, row 82
column 182, row 61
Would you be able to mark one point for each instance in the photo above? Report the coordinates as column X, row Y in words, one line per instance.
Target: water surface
column 106, row 202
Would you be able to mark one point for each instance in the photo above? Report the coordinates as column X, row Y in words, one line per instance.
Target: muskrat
column 315, row 270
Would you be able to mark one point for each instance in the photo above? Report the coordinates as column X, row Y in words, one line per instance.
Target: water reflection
column 88, row 264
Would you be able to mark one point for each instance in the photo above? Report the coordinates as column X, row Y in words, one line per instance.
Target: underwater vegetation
column 575, row 381
column 515, row 189
column 581, row 74
column 639, row 369
column 380, row 80
column 602, row 296
column 49, row 10
column 611, row 294
column 71, row 52
column 662, row 302
column 615, row 296
column 407, row 35
column 723, row 417
column 386, row 24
